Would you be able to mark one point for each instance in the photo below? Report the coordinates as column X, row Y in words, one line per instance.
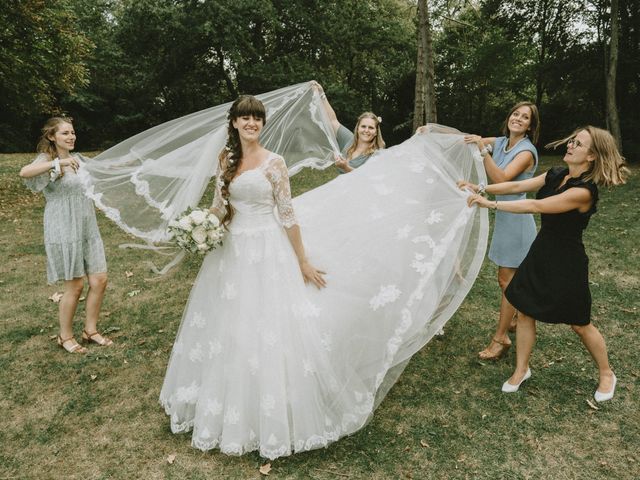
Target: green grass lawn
column 97, row 416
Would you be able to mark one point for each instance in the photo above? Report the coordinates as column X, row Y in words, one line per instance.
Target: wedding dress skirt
column 264, row 362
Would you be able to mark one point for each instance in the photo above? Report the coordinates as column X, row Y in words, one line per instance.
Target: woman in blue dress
column 511, row 157
column 355, row 147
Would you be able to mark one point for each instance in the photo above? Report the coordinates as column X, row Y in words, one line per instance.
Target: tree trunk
column 613, row 120
column 430, row 100
column 421, row 68
column 424, row 110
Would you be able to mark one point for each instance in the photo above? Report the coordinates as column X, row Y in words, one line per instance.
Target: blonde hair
column 609, row 167
column 534, row 126
column 45, row 144
column 377, row 143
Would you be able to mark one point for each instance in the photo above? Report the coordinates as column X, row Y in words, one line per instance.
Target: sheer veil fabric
column 261, row 361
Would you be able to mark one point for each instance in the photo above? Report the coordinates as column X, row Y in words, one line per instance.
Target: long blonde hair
column 377, row 143
column 609, row 167
column 45, row 144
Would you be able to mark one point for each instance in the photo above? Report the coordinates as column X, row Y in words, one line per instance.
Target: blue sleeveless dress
column 513, row 233
column 345, row 138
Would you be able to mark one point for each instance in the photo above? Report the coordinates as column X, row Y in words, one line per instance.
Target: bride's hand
column 313, row 275
column 464, row 185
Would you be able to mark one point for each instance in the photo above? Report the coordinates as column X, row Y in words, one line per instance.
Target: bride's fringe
column 231, row 155
column 609, row 168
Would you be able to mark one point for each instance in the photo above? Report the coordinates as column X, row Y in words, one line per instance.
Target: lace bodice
column 255, row 193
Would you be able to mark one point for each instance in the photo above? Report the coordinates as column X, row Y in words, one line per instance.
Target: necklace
column 507, row 150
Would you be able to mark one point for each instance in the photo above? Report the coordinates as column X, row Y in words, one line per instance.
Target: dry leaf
column 592, row 405
column 424, row 444
column 93, row 377
column 55, row 298
column 171, row 458
column 265, row 469
column 53, row 337
column 133, row 293
column 125, row 362
column 128, row 274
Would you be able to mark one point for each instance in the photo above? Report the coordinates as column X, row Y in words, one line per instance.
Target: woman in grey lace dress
column 72, row 241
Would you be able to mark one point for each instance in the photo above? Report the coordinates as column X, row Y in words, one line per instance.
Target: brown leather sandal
column 75, row 347
column 487, row 354
column 89, row 338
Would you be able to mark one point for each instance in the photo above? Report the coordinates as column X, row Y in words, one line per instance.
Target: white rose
column 199, row 234
column 214, row 235
column 203, row 247
column 198, row 216
column 213, row 220
column 185, row 224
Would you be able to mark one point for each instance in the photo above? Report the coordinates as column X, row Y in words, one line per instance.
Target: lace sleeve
column 278, row 175
column 39, row 182
column 217, row 207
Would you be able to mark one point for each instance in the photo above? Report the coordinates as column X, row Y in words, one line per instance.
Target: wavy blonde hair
column 45, row 144
column 377, row 143
column 609, row 167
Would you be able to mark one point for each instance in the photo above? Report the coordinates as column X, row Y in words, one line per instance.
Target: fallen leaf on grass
column 53, row 337
column 265, row 469
column 128, row 274
column 592, row 405
column 112, row 329
column 424, row 444
column 93, row 377
column 55, row 298
column 171, row 458
column 133, row 293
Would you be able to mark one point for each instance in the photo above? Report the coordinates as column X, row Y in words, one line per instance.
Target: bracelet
column 481, row 188
column 56, row 165
column 484, row 152
column 489, row 147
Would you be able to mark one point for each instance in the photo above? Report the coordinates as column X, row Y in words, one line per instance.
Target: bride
column 264, row 362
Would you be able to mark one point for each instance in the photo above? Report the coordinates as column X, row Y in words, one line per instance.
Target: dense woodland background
column 121, row 66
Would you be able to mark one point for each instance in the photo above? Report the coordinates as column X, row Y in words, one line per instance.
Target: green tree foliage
column 43, row 53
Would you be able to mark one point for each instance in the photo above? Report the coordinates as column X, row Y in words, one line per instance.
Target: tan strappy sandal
column 89, row 338
column 487, row 354
column 73, row 348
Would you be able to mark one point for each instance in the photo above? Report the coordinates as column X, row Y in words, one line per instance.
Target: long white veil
column 149, row 179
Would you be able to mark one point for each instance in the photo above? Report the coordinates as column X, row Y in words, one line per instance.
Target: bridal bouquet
column 197, row 230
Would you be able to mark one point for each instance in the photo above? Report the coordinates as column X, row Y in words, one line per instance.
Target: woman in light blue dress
column 355, row 147
column 512, row 157
column 72, row 241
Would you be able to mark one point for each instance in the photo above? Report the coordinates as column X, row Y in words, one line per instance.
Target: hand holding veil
column 149, row 179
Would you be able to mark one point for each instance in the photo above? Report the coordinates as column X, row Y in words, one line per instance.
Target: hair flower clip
column 379, row 119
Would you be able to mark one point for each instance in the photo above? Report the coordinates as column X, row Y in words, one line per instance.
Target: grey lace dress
column 71, row 237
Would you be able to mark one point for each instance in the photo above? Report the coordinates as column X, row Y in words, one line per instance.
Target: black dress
column 552, row 282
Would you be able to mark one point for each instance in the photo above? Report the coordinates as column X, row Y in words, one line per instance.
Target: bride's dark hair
column 231, row 155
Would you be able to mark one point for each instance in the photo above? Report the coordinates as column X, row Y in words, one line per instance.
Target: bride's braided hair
column 231, row 155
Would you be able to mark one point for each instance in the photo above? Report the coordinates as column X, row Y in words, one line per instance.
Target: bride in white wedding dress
column 262, row 361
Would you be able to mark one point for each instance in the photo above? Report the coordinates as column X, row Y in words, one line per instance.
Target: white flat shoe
column 509, row 388
column 603, row 397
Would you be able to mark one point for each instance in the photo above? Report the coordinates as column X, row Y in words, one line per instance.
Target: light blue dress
column 513, row 233
column 71, row 236
column 345, row 138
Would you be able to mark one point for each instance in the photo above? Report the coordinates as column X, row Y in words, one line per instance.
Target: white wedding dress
column 264, row 362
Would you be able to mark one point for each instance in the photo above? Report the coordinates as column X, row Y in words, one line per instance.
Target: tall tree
column 613, row 120
column 425, row 98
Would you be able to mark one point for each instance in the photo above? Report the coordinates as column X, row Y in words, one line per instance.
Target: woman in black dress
column 552, row 282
